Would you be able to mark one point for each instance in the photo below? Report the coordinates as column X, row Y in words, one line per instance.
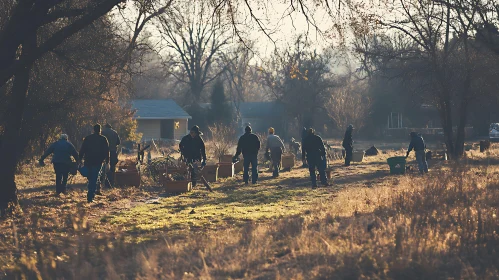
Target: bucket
column 397, row 165
column 288, row 161
column 225, row 170
column 130, row 178
column 210, row 173
column 358, row 156
column 226, row 158
column 239, row 166
column 177, row 186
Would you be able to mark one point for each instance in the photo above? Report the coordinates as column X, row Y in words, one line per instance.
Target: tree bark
column 447, row 126
column 461, row 130
column 9, row 150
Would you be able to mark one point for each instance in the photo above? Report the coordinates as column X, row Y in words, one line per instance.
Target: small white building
column 160, row 119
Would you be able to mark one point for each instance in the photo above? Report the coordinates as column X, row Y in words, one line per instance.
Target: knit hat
column 64, row 137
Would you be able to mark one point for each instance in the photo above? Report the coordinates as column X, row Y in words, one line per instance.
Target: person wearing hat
column 314, row 152
column 62, row 151
column 276, row 147
column 348, row 145
column 193, row 150
column 95, row 153
column 418, row 145
column 249, row 145
column 114, row 141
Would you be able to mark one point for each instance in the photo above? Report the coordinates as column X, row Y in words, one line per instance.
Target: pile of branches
column 157, row 166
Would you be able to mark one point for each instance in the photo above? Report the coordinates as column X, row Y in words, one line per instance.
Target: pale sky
column 282, row 27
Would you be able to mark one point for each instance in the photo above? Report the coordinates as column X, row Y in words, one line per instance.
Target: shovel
column 203, row 180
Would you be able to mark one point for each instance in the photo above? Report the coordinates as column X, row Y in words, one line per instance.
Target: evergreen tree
column 221, row 111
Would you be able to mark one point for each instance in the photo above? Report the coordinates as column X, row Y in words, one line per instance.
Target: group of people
column 314, row 154
column 96, row 160
column 98, row 156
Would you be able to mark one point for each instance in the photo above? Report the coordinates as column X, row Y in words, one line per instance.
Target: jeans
column 93, row 176
column 61, row 177
column 318, row 163
column 276, row 156
column 348, row 156
column 421, row 159
column 253, row 160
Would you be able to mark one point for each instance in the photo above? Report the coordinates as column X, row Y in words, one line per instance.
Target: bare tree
column 440, row 32
column 31, row 30
column 348, row 103
column 300, row 79
column 238, row 74
column 196, row 40
column 223, row 139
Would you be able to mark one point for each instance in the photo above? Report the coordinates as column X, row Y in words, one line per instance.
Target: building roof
column 261, row 109
column 157, row 109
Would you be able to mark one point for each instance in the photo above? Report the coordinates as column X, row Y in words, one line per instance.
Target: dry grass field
column 368, row 225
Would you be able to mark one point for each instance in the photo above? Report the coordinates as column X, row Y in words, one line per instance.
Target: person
column 314, row 151
column 348, row 145
column 249, row 145
column 193, row 150
column 304, row 134
column 94, row 151
column 276, row 147
column 63, row 150
column 418, row 145
column 114, row 141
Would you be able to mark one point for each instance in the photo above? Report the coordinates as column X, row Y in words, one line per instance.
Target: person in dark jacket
column 348, row 145
column 94, row 151
column 193, row 150
column 249, row 145
column 62, row 151
column 314, row 152
column 418, row 145
column 114, row 141
column 304, row 134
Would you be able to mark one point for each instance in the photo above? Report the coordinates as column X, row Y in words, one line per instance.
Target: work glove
column 203, row 164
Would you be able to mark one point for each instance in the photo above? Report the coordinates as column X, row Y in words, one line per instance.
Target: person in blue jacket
column 418, row 145
column 62, row 151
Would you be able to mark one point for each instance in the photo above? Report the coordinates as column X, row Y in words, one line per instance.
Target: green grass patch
column 228, row 206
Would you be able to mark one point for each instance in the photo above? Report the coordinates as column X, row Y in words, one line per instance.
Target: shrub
column 223, row 137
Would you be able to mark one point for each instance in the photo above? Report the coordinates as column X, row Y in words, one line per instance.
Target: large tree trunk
column 446, row 115
column 461, row 130
column 9, row 151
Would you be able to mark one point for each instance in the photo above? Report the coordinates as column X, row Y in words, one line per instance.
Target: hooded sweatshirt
column 417, row 143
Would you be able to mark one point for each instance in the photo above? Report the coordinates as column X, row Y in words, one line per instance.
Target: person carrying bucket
column 418, row 145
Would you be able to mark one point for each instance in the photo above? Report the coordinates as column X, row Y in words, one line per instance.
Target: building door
column 167, row 129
